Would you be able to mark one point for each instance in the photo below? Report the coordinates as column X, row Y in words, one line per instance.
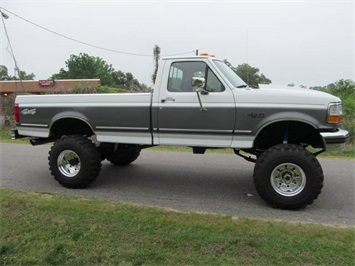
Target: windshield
column 232, row 77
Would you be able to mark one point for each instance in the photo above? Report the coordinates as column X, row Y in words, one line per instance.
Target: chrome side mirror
column 198, row 82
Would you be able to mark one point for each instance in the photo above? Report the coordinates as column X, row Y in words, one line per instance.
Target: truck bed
column 108, row 115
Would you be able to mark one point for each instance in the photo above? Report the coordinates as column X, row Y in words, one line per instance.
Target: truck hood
column 284, row 96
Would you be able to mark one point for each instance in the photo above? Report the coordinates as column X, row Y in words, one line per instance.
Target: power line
column 17, row 70
column 85, row 43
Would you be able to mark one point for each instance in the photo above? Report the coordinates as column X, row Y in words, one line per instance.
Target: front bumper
column 335, row 140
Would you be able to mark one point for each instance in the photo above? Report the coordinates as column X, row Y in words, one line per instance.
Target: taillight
column 17, row 113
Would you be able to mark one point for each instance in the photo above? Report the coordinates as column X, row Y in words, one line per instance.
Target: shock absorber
column 285, row 136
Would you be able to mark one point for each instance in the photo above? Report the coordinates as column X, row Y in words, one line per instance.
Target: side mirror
column 202, row 91
column 198, row 82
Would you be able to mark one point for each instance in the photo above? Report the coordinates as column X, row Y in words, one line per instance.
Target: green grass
column 50, row 229
column 5, row 136
column 348, row 152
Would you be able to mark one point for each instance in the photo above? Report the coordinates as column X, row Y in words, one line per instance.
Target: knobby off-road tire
column 74, row 161
column 288, row 177
column 123, row 158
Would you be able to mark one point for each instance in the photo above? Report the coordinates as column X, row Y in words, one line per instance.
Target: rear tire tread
column 90, row 158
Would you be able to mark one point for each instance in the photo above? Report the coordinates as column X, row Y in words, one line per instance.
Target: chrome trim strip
column 124, row 137
column 177, row 130
column 124, row 128
column 33, row 125
column 242, row 131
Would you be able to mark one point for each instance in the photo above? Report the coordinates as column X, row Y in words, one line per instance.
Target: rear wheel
column 288, row 177
column 74, row 161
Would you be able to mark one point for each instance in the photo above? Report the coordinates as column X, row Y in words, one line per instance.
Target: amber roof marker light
column 207, row 54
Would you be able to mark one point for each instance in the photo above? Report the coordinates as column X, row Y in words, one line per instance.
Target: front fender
column 284, row 117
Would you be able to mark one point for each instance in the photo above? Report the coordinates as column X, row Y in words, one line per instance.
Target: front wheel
column 288, row 177
column 74, row 161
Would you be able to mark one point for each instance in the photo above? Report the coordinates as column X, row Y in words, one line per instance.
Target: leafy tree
column 343, row 88
column 129, row 79
column 84, row 66
column 132, row 84
column 3, row 72
column 146, row 88
column 249, row 74
column 62, row 74
column 22, row 75
column 119, row 78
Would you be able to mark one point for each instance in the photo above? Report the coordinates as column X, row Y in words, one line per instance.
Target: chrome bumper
column 335, row 140
column 15, row 134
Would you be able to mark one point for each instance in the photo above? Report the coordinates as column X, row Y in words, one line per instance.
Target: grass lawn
column 45, row 228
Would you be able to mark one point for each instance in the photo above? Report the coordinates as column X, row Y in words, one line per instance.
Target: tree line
column 22, row 75
column 84, row 66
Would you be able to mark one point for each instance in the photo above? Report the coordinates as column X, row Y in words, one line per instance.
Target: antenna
column 247, row 57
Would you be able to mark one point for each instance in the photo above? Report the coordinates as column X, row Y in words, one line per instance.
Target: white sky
column 303, row 42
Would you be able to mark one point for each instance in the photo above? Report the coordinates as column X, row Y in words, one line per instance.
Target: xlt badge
column 256, row 115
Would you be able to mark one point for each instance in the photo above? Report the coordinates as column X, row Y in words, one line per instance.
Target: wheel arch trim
column 285, row 120
column 69, row 115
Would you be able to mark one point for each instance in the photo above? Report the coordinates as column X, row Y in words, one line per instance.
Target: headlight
column 335, row 113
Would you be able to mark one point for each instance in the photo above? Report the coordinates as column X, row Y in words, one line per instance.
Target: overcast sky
column 302, row 42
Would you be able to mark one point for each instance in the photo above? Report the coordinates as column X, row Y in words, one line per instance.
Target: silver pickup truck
column 197, row 102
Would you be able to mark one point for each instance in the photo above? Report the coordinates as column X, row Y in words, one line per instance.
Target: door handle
column 171, row 99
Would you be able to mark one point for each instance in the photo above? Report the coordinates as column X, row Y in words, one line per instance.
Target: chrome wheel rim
column 288, row 179
column 69, row 163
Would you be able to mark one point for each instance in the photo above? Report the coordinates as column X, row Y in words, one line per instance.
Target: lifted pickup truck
column 197, row 102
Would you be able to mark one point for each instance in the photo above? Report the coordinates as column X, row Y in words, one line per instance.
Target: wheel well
column 293, row 132
column 70, row 126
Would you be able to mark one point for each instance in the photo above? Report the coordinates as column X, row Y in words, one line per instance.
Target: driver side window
column 181, row 74
column 213, row 84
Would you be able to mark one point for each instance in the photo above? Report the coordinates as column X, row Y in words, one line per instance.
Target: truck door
column 182, row 121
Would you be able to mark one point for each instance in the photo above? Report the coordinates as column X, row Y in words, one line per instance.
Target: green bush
column 96, row 89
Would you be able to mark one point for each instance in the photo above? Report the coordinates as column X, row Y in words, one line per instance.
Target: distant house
column 44, row 86
column 9, row 87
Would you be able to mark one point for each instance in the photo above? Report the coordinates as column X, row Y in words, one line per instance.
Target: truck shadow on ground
column 176, row 182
